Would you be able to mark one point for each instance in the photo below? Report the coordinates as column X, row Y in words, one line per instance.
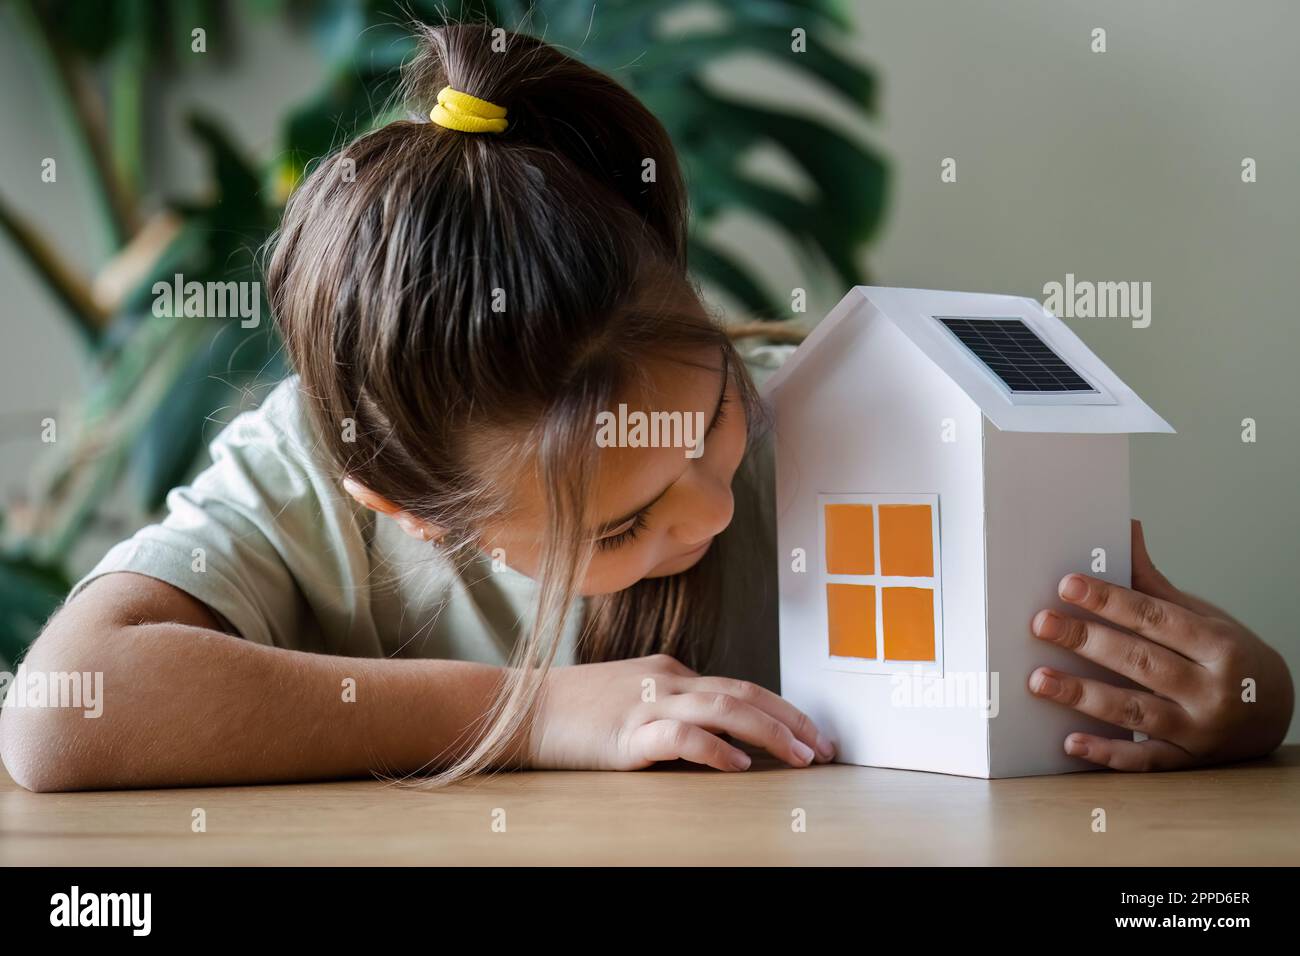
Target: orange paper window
column 908, row 620
column 851, row 614
column 906, row 541
column 850, row 540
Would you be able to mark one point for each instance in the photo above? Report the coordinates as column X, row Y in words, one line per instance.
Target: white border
column 859, row 665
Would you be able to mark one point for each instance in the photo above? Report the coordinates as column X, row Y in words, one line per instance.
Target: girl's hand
column 625, row 715
column 1194, row 658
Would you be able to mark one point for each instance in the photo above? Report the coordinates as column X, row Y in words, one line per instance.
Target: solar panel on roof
column 1015, row 354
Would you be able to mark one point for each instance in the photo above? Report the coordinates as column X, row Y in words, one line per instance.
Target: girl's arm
column 185, row 704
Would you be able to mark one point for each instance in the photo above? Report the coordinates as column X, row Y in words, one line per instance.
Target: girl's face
column 655, row 510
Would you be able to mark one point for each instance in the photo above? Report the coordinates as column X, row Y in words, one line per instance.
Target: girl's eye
column 721, row 415
column 638, row 525
column 623, row 537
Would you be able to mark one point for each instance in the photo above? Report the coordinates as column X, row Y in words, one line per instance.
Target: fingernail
column 1076, row 747
column 825, row 747
column 1073, row 587
column 803, row 752
column 740, row 760
column 1047, row 624
column 1045, row 684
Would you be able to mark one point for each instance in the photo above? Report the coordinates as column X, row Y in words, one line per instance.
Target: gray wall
column 1116, row 166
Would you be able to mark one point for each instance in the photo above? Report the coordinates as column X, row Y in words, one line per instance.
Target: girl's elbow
column 37, row 748
column 52, row 728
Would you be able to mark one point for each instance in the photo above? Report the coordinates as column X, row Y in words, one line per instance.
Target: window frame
column 879, row 581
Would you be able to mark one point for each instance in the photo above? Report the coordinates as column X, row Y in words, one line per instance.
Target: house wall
column 865, row 413
column 1050, row 500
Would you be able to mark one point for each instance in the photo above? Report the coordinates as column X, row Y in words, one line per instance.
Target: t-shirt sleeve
column 257, row 535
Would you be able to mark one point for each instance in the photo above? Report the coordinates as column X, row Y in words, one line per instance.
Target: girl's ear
column 367, row 498
column 424, row 530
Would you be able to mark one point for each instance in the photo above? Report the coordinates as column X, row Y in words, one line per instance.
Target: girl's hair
column 470, row 302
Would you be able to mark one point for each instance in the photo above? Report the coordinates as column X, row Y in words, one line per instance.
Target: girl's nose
column 706, row 509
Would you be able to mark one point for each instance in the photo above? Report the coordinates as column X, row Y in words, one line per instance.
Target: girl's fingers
column 1136, row 658
column 775, row 705
column 680, row 740
column 1159, row 620
column 730, row 715
column 1129, row 755
column 1130, row 709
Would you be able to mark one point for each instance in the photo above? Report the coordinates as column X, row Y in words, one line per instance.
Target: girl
column 416, row 556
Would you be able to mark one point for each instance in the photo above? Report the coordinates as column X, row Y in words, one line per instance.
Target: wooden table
column 1245, row 814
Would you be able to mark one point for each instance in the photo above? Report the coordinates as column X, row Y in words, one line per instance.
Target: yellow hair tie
column 468, row 114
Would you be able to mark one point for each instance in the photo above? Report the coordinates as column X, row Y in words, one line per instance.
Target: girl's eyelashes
column 623, row 537
column 721, row 415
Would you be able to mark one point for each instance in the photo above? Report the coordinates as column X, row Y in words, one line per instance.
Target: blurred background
column 813, row 168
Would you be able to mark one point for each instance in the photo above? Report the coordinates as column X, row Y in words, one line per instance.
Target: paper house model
column 943, row 459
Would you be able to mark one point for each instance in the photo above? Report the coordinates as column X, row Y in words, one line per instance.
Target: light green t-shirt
column 270, row 542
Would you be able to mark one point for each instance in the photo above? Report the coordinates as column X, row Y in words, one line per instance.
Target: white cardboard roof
column 1116, row 409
